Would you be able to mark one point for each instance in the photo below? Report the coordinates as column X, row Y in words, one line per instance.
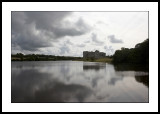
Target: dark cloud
column 28, row 40
column 78, row 28
column 46, row 20
column 33, row 30
column 114, row 40
column 94, row 39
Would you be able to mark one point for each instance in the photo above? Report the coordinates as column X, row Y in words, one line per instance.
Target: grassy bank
column 38, row 57
column 106, row 60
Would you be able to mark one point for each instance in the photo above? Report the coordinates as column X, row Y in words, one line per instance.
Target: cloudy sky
column 71, row 33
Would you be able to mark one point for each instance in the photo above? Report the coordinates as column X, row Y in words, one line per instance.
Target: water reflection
column 113, row 80
column 33, row 86
column 141, row 74
column 68, row 81
column 93, row 66
column 126, row 67
column 143, row 79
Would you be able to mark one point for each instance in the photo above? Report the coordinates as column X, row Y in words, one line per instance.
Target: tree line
column 137, row 55
column 40, row 57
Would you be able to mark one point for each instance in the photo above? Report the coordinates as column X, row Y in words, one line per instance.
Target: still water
column 77, row 81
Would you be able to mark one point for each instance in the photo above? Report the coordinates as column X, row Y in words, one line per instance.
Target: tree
column 20, row 55
column 137, row 55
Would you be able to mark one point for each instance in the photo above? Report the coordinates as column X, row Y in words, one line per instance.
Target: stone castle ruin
column 95, row 55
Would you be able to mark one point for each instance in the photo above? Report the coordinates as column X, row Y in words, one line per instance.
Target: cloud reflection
column 34, row 86
column 71, row 81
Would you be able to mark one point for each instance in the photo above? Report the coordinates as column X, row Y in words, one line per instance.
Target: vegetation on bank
column 107, row 59
column 137, row 55
column 40, row 57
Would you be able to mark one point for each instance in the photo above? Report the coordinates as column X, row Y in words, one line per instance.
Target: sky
column 71, row 33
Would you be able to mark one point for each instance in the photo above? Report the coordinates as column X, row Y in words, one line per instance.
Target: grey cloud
column 87, row 42
column 114, row 40
column 28, row 40
column 79, row 28
column 94, row 39
column 69, row 42
column 102, row 23
column 81, row 45
column 82, row 26
column 64, row 49
column 33, row 30
column 109, row 50
column 46, row 20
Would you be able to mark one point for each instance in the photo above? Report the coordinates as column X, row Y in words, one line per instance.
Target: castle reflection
column 93, row 66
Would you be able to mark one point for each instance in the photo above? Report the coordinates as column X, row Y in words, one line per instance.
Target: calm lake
column 77, row 81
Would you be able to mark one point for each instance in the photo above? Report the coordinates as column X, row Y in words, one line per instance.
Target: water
column 72, row 81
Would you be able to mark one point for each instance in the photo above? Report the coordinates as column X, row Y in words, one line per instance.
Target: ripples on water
column 71, row 81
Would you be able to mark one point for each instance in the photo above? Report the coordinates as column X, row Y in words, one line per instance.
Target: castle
column 95, row 54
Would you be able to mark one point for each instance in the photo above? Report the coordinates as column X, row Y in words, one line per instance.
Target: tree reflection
column 127, row 67
column 143, row 79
